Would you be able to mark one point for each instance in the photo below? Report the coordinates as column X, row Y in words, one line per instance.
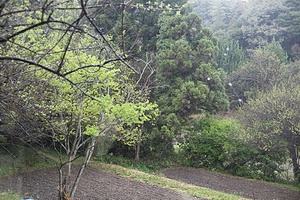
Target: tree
column 195, row 79
column 257, row 26
column 251, row 23
column 261, row 72
column 74, row 118
column 50, row 19
column 189, row 84
column 272, row 122
column 78, row 85
column 230, row 56
column 219, row 15
column 289, row 20
column 133, row 26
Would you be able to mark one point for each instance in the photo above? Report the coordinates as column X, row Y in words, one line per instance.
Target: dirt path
column 95, row 184
column 233, row 185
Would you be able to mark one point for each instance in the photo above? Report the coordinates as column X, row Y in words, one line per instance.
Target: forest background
column 207, row 83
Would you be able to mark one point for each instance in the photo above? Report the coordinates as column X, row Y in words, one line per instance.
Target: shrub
column 218, row 145
column 213, row 144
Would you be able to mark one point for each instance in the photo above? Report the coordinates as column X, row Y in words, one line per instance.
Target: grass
column 10, row 196
column 22, row 160
column 165, row 182
column 147, row 166
column 26, row 159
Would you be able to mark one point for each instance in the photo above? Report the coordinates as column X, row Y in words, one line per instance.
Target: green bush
column 218, row 145
column 213, row 145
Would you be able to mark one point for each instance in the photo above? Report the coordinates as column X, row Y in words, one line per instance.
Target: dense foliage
column 134, row 78
column 272, row 122
column 267, row 32
column 264, row 69
column 252, row 23
column 220, row 145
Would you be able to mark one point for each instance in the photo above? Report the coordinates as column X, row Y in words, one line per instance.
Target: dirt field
column 233, row 185
column 100, row 185
column 95, row 184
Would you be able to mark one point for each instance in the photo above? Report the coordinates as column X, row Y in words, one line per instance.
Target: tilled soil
column 232, row 185
column 95, row 184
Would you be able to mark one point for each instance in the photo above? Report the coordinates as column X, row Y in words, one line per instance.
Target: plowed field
column 232, row 185
column 97, row 184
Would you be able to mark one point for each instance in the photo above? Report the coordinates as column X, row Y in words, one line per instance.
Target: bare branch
column 30, row 62
column 68, row 43
column 6, row 38
column 103, row 36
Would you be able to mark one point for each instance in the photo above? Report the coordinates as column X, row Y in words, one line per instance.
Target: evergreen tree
column 133, row 26
column 257, row 26
column 189, row 83
column 230, row 55
column 290, row 20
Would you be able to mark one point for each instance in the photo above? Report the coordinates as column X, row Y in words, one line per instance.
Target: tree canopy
column 189, row 83
column 272, row 122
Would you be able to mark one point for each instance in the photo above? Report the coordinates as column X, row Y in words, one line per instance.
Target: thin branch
column 104, row 38
column 30, row 62
column 122, row 24
column 81, row 68
column 69, row 42
column 6, row 38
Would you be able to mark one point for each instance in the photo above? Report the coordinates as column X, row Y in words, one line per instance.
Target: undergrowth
column 21, row 159
column 147, row 166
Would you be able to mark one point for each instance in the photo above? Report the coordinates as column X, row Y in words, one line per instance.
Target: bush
column 213, row 145
column 159, row 146
column 218, row 145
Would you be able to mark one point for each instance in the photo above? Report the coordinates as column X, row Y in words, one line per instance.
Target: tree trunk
column 88, row 155
column 137, row 152
column 294, row 158
column 60, row 189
